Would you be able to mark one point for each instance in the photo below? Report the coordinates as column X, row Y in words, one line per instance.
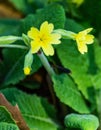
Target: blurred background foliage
column 76, row 88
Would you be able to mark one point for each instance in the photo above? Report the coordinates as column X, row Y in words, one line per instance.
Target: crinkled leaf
column 52, row 13
column 66, row 91
column 83, row 122
column 37, row 112
column 14, row 111
column 8, row 126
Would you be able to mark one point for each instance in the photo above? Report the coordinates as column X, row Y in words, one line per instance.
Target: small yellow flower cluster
column 83, row 38
column 44, row 38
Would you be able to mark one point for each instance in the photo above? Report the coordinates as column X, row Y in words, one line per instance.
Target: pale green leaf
column 28, row 60
column 8, row 39
column 97, row 53
column 83, row 122
column 66, row 91
column 26, row 39
column 71, row 58
column 96, row 79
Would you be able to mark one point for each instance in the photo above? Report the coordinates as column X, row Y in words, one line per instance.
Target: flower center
column 43, row 38
column 81, row 37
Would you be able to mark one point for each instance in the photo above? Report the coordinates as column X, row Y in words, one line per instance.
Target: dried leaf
column 15, row 112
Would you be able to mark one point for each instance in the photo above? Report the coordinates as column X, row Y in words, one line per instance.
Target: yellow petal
column 27, row 70
column 86, row 31
column 48, row 50
column 82, row 47
column 43, row 38
column 46, row 28
column 33, row 33
column 35, row 46
column 89, row 39
column 55, row 38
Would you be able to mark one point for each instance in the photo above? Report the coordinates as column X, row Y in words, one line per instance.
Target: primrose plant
column 40, row 42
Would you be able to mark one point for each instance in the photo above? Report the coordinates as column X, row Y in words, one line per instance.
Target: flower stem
column 46, row 63
column 14, row 46
column 50, row 71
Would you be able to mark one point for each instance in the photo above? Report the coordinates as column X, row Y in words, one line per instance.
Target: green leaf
column 66, row 91
column 79, row 66
column 96, row 80
column 8, row 39
column 83, row 122
column 97, row 53
column 27, row 23
column 14, row 62
column 37, row 112
column 53, row 13
column 73, row 26
column 5, row 115
column 9, row 26
column 8, row 126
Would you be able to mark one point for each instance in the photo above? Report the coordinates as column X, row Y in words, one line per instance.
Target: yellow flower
column 83, row 38
column 77, row 2
column 43, row 38
column 27, row 70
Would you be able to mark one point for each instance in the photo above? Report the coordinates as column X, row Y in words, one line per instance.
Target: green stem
column 65, row 34
column 46, row 63
column 14, row 46
column 50, row 71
